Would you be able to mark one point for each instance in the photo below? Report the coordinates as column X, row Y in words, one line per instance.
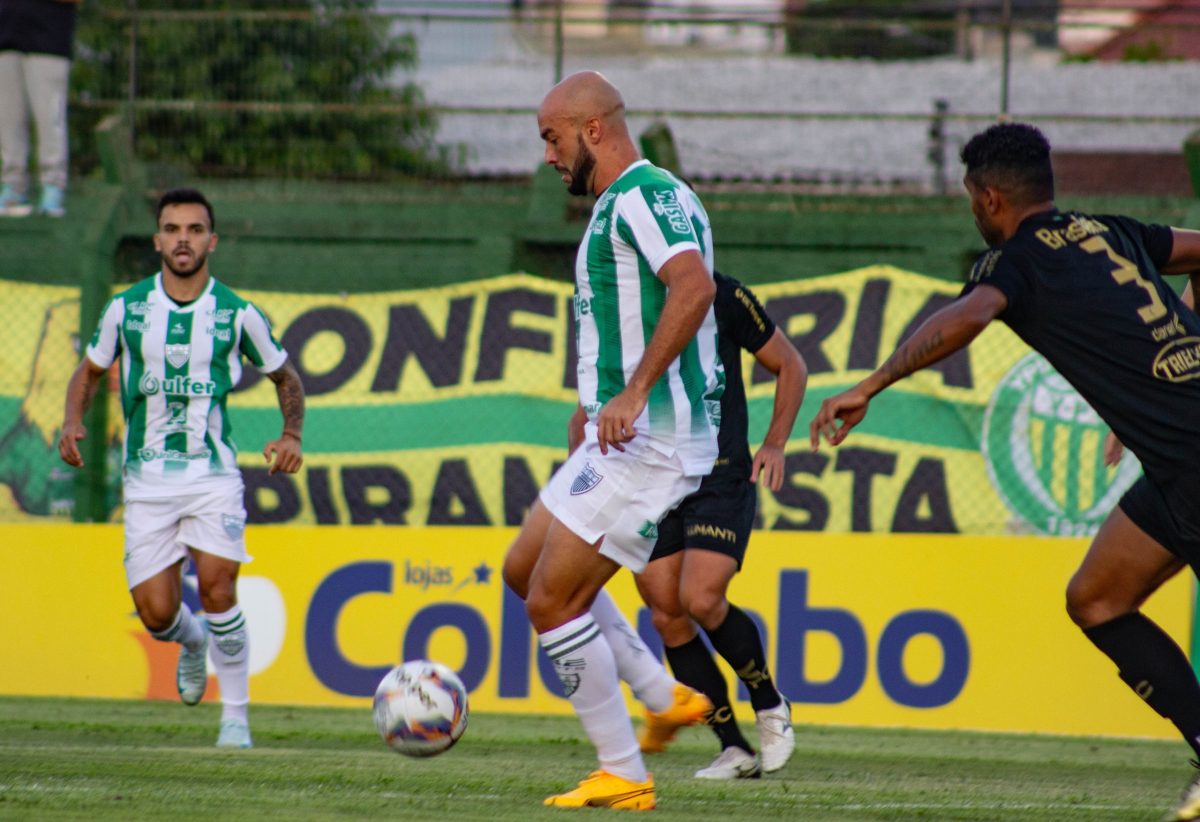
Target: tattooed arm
column 286, row 449
column 950, row 329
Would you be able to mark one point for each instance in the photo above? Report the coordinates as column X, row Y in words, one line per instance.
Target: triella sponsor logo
column 1044, row 450
column 797, row 622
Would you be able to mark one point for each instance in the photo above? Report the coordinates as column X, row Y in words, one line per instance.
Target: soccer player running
column 180, row 337
column 649, row 382
column 1086, row 292
column 701, row 545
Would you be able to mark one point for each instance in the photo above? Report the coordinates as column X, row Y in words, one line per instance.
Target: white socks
column 588, row 671
column 230, row 654
column 649, row 680
column 185, row 630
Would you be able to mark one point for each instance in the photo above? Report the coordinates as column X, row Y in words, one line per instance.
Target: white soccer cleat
column 234, row 734
column 732, row 763
column 776, row 739
column 191, row 676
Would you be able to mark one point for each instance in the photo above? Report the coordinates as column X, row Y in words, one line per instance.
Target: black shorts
column 1169, row 513
column 718, row 517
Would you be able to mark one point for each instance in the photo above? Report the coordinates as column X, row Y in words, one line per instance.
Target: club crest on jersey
column 178, row 353
column 587, row 479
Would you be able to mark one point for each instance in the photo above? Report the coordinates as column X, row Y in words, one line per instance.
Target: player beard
column 198, row 261
column 581, row 172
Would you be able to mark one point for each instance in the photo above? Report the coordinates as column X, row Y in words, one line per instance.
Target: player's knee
column 157, row 616
column 707, row 607
column 1087, row 604
column 218, row 595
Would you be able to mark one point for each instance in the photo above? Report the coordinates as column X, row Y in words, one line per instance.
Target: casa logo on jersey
column 221, row 315
column 667, row 206
column 1179, row 360
column 181, row 386
column 587, row 479
column 140, row 307
column 178, row 353
column 1044, row 451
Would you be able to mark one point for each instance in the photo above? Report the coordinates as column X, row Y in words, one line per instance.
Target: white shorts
column 621, row 497
column 158, row 532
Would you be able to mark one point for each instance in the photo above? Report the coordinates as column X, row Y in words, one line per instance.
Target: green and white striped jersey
column 178, row 364
column 646, row 217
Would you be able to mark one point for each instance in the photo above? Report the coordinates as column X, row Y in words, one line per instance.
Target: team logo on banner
column 1044, row 451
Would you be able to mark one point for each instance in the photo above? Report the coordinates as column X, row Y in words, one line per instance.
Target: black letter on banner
column 827, row 309
column 321, row 497
column 356, row 344
column 797, row 496
column 520, row 490
column 864, row 463
column 409, row 333
column 868, row 326
column 571, row 365
column 357, row 480
column 956, row 368
column 499, row 334
column 454, row 483
column 928, row 481
column 256, row 482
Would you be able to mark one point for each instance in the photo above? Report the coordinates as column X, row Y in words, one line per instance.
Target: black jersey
column 1086, row 293
column 741, row 323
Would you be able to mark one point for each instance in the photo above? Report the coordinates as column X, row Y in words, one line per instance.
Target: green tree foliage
column 256, row 87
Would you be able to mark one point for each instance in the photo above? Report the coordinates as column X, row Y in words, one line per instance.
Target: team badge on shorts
column 233, row 525
column 588, row 479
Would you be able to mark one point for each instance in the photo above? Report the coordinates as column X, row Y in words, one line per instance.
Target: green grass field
column 102, row 759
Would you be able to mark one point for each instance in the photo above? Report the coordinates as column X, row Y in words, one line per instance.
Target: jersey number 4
column 1127, row 272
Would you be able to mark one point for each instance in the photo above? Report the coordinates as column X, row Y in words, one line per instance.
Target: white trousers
column 33, row 84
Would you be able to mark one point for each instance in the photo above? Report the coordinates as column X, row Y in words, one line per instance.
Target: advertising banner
column 448, row 406
column 923, row 631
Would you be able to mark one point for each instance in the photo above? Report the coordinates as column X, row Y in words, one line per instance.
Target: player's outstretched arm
column 290, row 392
column 80, row 390
column 690, row 292
column 948, row 330
column 782, row 359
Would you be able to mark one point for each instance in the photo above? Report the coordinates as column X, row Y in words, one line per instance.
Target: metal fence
column 348, row 89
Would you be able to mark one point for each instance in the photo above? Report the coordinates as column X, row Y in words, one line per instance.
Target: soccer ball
column 420, row 708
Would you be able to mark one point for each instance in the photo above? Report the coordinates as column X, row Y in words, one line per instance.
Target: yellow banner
column 448, row 406
column 913, row 631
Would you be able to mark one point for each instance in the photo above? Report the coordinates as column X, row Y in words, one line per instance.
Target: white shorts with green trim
column 158, row 532
column 621, row 496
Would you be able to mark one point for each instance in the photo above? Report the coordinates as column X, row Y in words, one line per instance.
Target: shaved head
column 582, row 123
column 582, row 96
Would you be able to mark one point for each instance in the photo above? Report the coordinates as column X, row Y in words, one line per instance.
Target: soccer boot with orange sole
column 602, row 789
column 690, row 706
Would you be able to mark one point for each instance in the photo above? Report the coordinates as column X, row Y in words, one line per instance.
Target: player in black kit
column 702, row 542
column 1086, row 292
